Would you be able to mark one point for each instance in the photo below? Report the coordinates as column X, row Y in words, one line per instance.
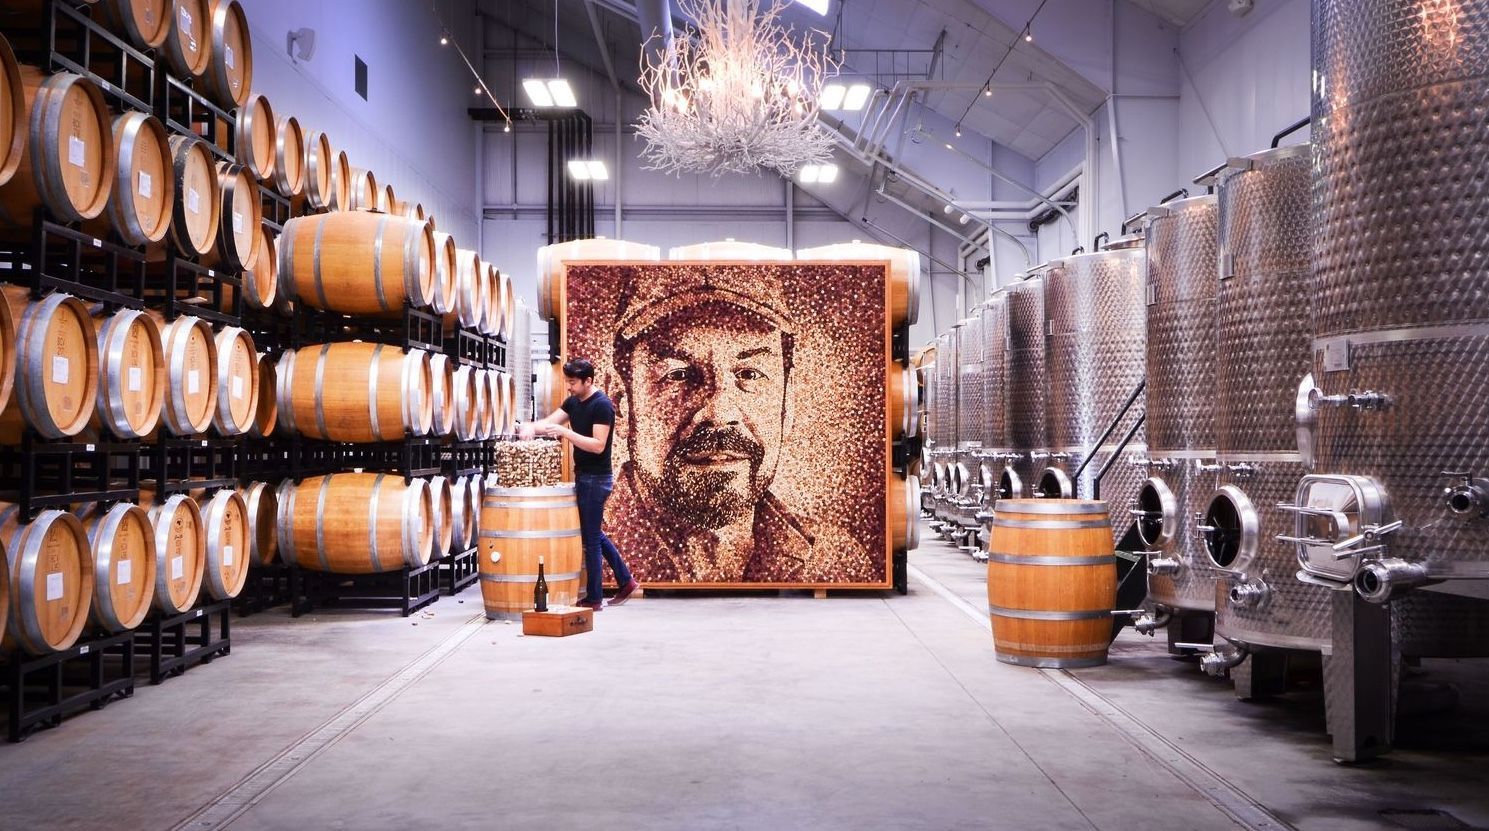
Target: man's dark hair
column 579, row 369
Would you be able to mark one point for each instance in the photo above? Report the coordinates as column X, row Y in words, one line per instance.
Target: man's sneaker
column 596, row 605
column 624, row 594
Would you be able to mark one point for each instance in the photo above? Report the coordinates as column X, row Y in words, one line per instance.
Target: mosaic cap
column 654, row 294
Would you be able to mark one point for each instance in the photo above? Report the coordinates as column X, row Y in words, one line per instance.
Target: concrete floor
column 863, row 711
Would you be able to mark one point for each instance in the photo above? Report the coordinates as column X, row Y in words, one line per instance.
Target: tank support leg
column 1189, row 627
column 1360, row 679
column 1262, row 674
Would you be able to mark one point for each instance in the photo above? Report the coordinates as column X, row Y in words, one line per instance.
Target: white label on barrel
column 54, row 586
column 178, row 567
column 193, row 382
column 147, row 188
column 227, row 56
column 76, row 150
column 126, row 569
column 193, row 201
column 237, row 386
column 136, row 379
column 237, row 222
column 227, row 555
column 59, row 369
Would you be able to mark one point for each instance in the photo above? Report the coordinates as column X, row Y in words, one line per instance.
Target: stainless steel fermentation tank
column 943, row 450
column 969, row 487
column 1398, row 505
column 1094, row 364
column 1262, row 355
column 1182, row 240
column 996, row 449
column 1024, row 381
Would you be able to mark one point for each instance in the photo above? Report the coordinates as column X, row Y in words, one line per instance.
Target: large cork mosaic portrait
column 751, row 438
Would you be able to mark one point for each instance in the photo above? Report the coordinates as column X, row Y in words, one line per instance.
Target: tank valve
column 1240, row 469
column 1151, row 622
column 1223, row 659
column 1164, row 566
column 1359, row 400
column 1469, row 497
column 1381, row 581
column 1249, row 595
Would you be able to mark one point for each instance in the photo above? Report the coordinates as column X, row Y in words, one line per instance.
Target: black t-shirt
column 583, row 416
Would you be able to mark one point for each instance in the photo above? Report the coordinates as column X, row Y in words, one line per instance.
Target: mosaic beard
column 712, row 477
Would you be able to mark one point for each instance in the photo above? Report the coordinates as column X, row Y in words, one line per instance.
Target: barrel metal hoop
column 413, row 238
column 320, row 523
column 377, row 486
column 1061, row 507
column 106, row 531
column 320, row 287
column 550, row 504
column 529, row 535
column 1033, row 614
column 210, row 518
column 528, row 578
column 413, row 522
column 547, row 490
column 1052, row 560
column 1050, row 525
column 373, row 373
column 377, row 263
column 31, row 537
column 320, row 399
column 287, row 526
column 1051, row 663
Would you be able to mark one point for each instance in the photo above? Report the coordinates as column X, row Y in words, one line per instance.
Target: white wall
column 413, row 130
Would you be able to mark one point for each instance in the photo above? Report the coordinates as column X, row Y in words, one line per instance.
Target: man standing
column 592, row 418
column 706, row 360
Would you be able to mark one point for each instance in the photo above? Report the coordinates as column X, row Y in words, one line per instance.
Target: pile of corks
column 536, row 463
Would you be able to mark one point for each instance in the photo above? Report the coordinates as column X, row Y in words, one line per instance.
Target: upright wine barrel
column 356, row 523
column 341, row 182
column 122, row 541
column 263, row 534
column 443, row 300
column 12, row 114
column 289, row 157
column 320, row 168
column 188, row 47
column 519, row 525
column 442, row 395
column 266, row 414
column 191, row 375
column 240, row 220
column 144, row 23
column 198, row 197
column 237, row 382
column 363, row 193
column 355, row 392
column 132, row 377
column 144, row 188
column 67, row 163
column 358, row 263
column 225, row 522
column 229, row 73
column 256, row 145
column 180, row 551
column 440, row 500
column 467, row 405
column 1052, row 582
column 56, row 356
column 51, row 579
column 468, row 272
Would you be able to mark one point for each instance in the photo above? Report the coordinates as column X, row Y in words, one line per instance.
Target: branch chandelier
column 736, row 95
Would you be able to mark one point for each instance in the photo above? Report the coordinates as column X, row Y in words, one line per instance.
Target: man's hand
column 525, row 431
column 550, row 431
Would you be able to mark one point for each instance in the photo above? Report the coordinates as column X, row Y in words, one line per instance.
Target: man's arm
column 589, row 444
column 542, row 426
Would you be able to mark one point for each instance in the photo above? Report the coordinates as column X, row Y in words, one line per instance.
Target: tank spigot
column 1469, row 497
column 1249, row 595
column 1059, row 457
column 1164, row 567
column 1381, row 581
column 1357, row 399
column 1208, row 467
column 1240, row 469
column 1221, row 660
column 1151, row 622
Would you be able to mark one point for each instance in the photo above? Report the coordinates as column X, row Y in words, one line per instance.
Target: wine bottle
column 540, row 589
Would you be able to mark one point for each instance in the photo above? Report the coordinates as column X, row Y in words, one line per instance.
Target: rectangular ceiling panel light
column 832, row 97
column 818, row 6
column 857, row 97
column 563, row 94
column 808, row 174
column 597, row 171
column 579, row 170
column 828, row 174
column 537, row 92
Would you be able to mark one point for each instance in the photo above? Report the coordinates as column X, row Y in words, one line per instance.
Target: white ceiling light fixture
column 588, row 170
column 549, row 92
column 817, row 174
column 818, row 6
column 857, row 97
column 832, row 97
column 738, row 93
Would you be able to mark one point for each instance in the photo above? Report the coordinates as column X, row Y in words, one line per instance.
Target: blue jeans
column 591, row 490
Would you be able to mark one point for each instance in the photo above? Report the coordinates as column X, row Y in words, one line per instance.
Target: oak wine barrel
column 341, row 182
column 508, row 307
column 356, row 523
column 320, row 169
column 263, row 533
column 904, row 400
column 198, row 197
column 240, row 220
column 415, row 210
column 355, row 392
column 144, row 188
column 237, row 382
column 188, row 47
column 191, row 375
column 8, row 325
column 180, row 551
column 51, row 579
column 468, row 271
column 12, row 114
column 261, row 283
column 904, row 512
column 553, row 259
column 496, row 384
column 388, row 202
column 1052, row 582
column 229, row 73
column 122, row 542
column 358, row 263
column 904, row 272
column 144, row 23
column 132, row 375
column 442, row 395
column 490, row 300
column 67, row 163
column 289, row 157
column 225, row 522
column 363, row 193
column 443, row 514
column 482, row 381
column 443, row 300
column 519, row 525
column 255, row 142
column 266, row 414
column 467, row 404
column 56, row 359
